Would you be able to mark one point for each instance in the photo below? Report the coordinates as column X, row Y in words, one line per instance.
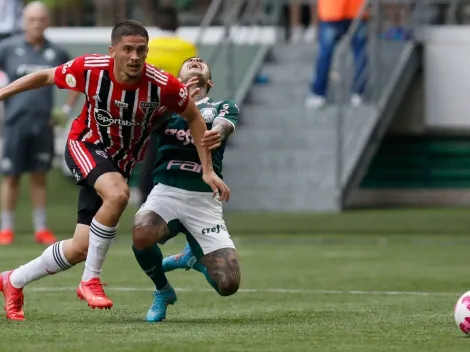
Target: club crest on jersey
column 147, row 106
column 208, row 114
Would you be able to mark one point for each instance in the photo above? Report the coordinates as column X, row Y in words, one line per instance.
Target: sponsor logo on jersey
column 66, row 66
column 121, row 104
column 97, row 98
column 76, row 174
column 70, row 80
column 101, row 153
column 181, row 135
column 44, row 157
column 104, row 118
column 6, row 165
column 208, row 114
column 183, row 95
column 49, row 54
column 19, row 51
column 215, row 229
column 24, row 70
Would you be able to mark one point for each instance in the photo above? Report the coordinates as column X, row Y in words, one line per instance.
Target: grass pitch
column 317, row 293
column 359, row 281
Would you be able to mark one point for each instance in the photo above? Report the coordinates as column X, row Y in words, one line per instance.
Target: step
column 283, row 200
column 289, row 72
column 293, row 118
column 278, row 94
column 302, row 53
column 278, row 160
column 270, row 179
column 278, row 139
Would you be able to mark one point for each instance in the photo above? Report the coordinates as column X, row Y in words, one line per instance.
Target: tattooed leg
column 223, row 268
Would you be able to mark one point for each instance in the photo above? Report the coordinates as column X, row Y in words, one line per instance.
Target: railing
column 341, row 73
column 236, row 13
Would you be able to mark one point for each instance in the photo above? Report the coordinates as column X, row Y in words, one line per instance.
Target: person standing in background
column 10, row 17
column 297, row 32
column 336, row 16
column 28, row 134
column 168, row 52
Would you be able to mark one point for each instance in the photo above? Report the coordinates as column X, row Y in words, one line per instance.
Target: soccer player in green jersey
column 181, row 202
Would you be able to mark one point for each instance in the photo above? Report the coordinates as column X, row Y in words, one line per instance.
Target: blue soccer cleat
column 183, row 260
column 161, row 301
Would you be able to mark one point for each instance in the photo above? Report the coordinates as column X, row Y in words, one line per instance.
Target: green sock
column 150, row 260
column 202, row 269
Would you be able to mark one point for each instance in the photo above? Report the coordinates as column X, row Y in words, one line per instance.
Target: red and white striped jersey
column 116, row 116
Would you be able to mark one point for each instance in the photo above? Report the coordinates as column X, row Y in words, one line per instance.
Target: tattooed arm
column 223, row 125
column 221, row 129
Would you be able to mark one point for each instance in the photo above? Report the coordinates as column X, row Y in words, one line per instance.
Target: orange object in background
column 338, row 10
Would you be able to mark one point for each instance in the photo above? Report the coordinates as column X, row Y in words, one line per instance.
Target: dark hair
column 166, row 18
column 126, row 28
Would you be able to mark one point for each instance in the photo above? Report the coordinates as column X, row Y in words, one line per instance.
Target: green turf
column 63, row 202
column 260, row 317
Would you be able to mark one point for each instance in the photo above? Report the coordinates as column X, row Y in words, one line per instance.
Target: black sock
column 150, row 260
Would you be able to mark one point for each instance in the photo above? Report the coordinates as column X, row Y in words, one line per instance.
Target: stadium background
column 349, row 200
column 406, row 146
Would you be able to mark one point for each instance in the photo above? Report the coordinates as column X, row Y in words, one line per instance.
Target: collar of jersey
column 202, row 101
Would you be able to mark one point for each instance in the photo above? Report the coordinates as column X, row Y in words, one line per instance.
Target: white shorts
column 199, row 213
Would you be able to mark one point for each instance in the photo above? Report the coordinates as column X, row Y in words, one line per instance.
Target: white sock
column 101, row 238
column 51, row 261
column 7, row 220
column 39, row 219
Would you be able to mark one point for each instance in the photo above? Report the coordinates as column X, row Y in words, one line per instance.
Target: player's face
column 129, row 55
column 35, row 23
column 195, row 67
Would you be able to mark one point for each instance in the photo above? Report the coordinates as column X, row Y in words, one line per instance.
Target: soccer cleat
column 183, row 260
column 14, row 299
column 45, row 237
column 92, row 291
column 6, row 237
column 161, row 301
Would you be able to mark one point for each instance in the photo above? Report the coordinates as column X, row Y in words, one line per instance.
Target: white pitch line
column 267, row 290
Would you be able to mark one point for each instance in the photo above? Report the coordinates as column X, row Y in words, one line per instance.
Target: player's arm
column 69, row 75
column 197, row 126
column 73, row 95
column 223, row 125
column 29, row 82
column 177, row 99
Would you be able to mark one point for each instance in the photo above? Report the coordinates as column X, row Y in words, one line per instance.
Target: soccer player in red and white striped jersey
column 125, row 99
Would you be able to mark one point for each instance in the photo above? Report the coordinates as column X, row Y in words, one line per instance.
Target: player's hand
column 193, row 81
column 218, row 186
column 211, row 139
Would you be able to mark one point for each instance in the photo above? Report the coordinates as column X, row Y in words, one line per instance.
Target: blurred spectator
column 66, row 13
column 10, row 17
column 167, row 51
column 336, row 16
column 109, row 12
column 398, row 16
column 297, row 30
column 28, row 144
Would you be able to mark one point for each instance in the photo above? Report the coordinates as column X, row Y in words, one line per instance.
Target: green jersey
column 178, row 163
